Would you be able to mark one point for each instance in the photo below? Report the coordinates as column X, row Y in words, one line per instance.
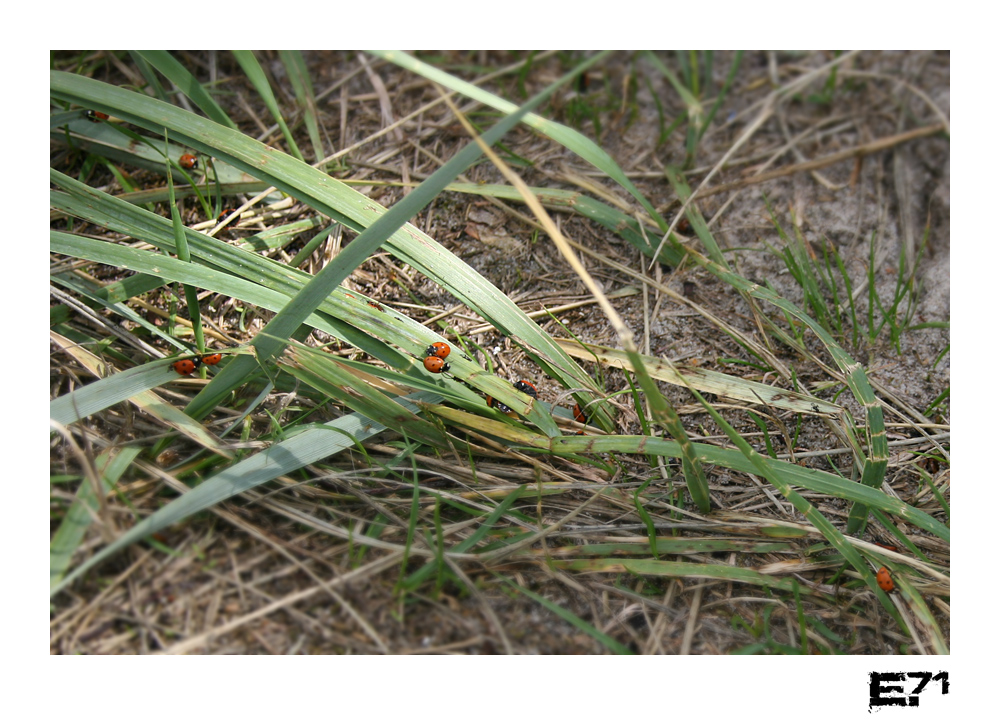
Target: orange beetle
column 439, row 349
column 435, row 364
column 211, row 359
column 184, row 367
column 188, row 161
column 884, row 579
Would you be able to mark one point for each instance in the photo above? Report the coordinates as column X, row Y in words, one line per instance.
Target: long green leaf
column 298, row 76
column 610, row 642
column 110, row 465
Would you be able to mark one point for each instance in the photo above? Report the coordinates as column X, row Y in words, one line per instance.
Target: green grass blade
column 485, row 529
column 723, row 93
column 149, row 73
column 610, row 642
column 255, row 74
column 110, row 466
column 665, row 414
column 298, row 76
column 707, row 381
column 664, row 568
column 167, row 65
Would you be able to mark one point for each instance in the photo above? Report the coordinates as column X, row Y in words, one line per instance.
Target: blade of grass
column 169, row 67
column 298, row 76
column 707, row 381
column 796, row 475
column 612, row 644
column 184, row 255
column 110, row 466
column 255, row 74
column 467, row 544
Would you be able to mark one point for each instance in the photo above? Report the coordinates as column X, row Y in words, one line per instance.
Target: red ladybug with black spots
column 434, row 364
column 525, row 387
column 188, row 161
column 184, row 367
column 438, row 349
column 884, row 579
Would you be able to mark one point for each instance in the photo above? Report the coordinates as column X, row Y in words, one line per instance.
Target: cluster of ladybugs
column 434, row 357
column 434, row 361
column 189, row 365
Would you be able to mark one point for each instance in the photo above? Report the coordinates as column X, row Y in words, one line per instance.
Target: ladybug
column 438, row 349
column 684, row 226
column 211, row 359
column 184, row 367
column 435, row 364
column 188, row 161
column 579, row 414
column 225, row 213
column 525, row 387
column 380, row 308
column 96, row 116
column 493, row 403
column 884, row 579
